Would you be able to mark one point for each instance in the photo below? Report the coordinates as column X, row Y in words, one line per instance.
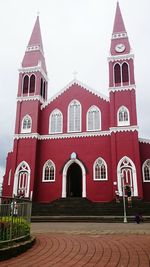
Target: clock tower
column 123, row 117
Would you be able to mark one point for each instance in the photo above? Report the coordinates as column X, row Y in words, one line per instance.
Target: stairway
column 84, row 207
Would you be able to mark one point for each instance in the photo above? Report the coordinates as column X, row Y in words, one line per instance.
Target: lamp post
column 124, row 201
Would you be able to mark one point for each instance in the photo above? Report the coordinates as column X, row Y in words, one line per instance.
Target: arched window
column 26, row 124
column 25, row 84
column 22, row 180
column 146, row 171
column 123, row 116
column 56, row 119
column 49, row 171
column 41, row 87
column 93, row 119
column 74, row 116
column 117, row 73
column 32, row 83
column 125, row 72
column 100, row 170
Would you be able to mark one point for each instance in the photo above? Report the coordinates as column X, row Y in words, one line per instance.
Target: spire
column 119, row 42
column 34, row 55
column 118, row 23
column 36, row 38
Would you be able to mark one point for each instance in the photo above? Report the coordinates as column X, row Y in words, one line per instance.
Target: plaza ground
column 87, row 244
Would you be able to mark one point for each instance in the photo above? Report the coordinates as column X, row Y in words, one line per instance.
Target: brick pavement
column 77, row 249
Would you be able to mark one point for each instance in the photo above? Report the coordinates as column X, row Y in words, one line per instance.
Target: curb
column 16, row 249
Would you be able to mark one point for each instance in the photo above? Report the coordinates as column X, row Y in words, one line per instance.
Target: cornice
column 120, row 57
column 76, row 135
column 27, row 135
column 75, row 81
column 34, row 69
column 144, row 141
column 124, row 129
column 122, row 88
column 30, row 98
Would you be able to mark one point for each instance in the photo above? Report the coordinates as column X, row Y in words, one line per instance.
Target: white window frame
column 93, row 119
column 80, row 122
column 27, row 130
column 94, row 172
column 146, row 162
column 123, row 123
column 43, row 175
column 54, row 112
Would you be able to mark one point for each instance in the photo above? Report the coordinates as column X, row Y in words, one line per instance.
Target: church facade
column 79, row 143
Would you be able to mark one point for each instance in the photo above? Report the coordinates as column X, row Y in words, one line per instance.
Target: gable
column 76, row 89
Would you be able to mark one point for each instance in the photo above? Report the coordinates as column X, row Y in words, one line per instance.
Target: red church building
column 79, row 143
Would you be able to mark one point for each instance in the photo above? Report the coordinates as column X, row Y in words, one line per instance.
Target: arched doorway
column 74, row 181
column 78, row 167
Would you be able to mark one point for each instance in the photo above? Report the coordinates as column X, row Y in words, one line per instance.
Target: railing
column 15, row 218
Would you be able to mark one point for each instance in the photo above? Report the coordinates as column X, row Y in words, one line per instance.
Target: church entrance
column 74, row 181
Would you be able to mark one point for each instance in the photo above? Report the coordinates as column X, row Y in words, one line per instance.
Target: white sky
column 76, row 36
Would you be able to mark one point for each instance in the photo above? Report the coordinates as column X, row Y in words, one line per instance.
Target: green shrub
column 13, row 227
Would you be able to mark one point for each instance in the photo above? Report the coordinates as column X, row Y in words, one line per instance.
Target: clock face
column 120, row 48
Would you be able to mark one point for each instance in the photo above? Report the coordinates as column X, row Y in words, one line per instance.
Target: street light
column 124, row 201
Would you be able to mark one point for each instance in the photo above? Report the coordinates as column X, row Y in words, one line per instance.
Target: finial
column 38, row 13
column 75, row 74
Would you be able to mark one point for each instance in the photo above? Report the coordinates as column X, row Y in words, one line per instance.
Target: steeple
column 120, row 42
column 34, row 55
column 118, row 22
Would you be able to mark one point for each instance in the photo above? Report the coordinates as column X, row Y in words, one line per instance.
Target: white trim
column 30, row 98
column 145, row 164
column 64, row 177
column 16, row 179
column 124, row 129
column 34, row 69
column 144, row 141
column 77, row 135
column 87, row 88
column 31, row 48
column 119, row 35
column 120, row 57
column 122, row 88
column 135, row 188
column 61, row 136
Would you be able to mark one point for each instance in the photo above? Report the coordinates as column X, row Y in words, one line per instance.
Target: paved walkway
column 88, row 244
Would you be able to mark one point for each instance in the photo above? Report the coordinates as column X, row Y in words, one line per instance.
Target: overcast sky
column 76, row 36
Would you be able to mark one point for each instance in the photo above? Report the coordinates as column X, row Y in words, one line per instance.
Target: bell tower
column 32, row 92
column 123, row 116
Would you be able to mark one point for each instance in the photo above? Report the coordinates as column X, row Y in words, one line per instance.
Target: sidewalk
column 88, row 245
column 91, row 228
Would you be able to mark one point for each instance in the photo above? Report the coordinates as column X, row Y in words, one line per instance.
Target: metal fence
column 15, row 218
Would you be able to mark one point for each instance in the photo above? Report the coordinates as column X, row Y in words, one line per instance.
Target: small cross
column 75, row 74
column 38, row 13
